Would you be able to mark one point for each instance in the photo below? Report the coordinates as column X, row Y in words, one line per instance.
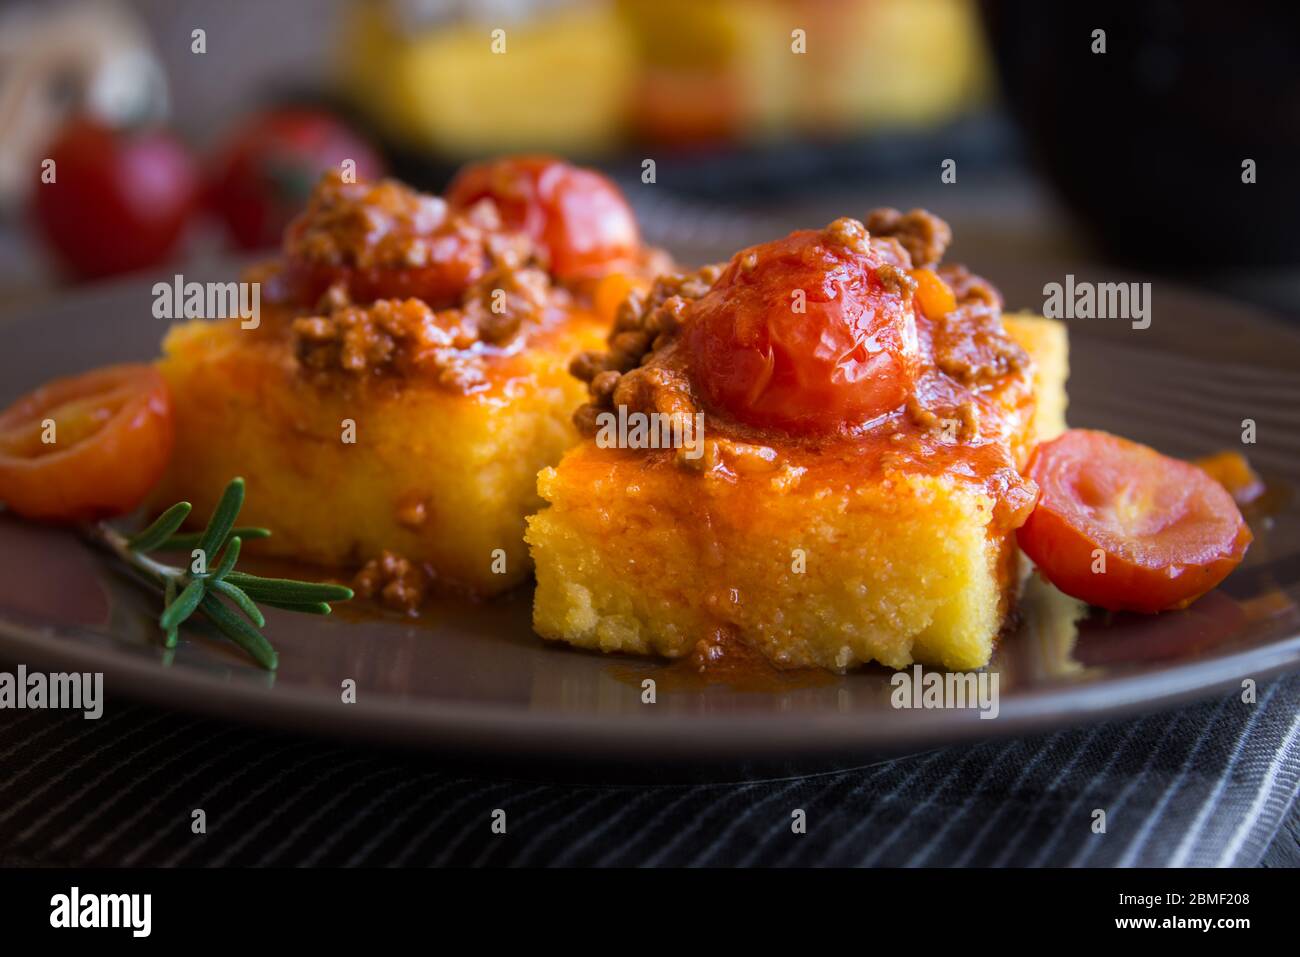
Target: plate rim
column 457, row 728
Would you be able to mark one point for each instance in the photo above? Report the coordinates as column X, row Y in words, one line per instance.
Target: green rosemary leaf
column 229, row 558
column 160, row 529
column 183, row 606
column 306, row 607
column 189, row 540
column 170, row 635
column 288, row 590
column 221, row 537
column 237, row 595
column 223, row 518
column 240, row 632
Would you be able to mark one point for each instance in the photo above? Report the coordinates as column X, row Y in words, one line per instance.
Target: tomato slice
column 1121, row 526
column 576, row 214
column 803, row 334
column 112, row 438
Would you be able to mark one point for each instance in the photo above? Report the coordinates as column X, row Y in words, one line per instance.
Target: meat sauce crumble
column 382, row 224
column 386, row 282
column 393, row 581
column 966, row 386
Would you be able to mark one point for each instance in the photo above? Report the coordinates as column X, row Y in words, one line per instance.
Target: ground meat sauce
column 973, row 389
column 498, row 297
column 408, row 339
column 394, row 581
column 643, row 326
column 969, row 343
column 924, row 235
column 400, row 337
column 384, row 224
column 384, row 240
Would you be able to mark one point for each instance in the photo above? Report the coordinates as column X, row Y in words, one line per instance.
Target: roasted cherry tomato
column 267, row 168
column 577, row 215
column 111, row 433
column 1121, row 526
column 118, row 201
column 380, row 241
column 803, row 334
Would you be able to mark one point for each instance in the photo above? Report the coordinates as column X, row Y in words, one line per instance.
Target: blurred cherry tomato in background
column 119, row 199
column 262, row 176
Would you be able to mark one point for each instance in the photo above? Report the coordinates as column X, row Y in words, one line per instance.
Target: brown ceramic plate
column 473, row 678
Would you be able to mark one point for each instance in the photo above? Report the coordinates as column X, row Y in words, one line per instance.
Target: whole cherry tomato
column 804, row 333
column 117, row 200
column 87, row 446
column 1123, row 527
column 268, row 166
column 576, row 214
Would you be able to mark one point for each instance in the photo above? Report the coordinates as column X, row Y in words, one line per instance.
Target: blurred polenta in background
column 195, row 127
column 462, row 80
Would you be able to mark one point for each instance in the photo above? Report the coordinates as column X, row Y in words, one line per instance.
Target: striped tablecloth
column 1209, row 784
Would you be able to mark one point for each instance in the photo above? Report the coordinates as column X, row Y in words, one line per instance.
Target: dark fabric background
column 1210, row 784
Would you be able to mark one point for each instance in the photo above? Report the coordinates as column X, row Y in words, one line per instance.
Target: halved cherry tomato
column 1166, row 531
column 577, row 214
column 803, row 334
column 112, row 438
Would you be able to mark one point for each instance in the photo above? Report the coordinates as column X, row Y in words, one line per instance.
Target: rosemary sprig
column 186, row 591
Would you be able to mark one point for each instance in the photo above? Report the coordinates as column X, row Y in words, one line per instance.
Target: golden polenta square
column 343, row 471
column 817, row 562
